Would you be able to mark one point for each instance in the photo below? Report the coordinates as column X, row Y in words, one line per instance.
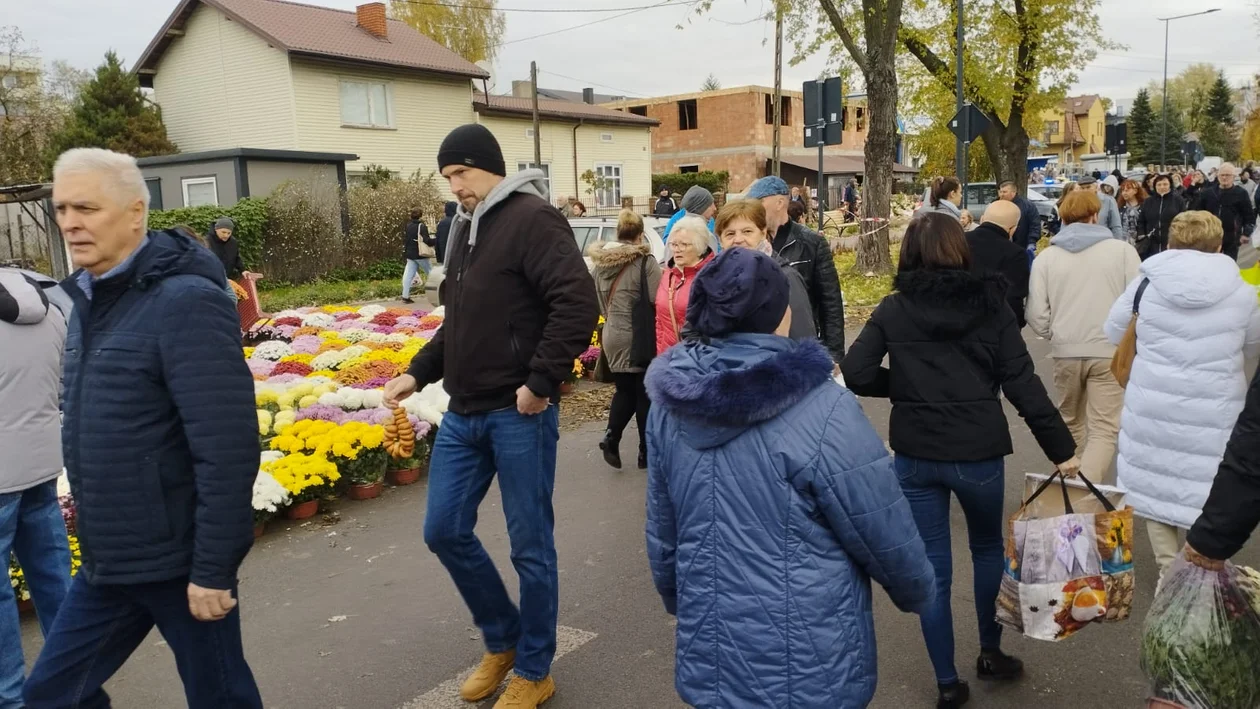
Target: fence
column 24, row 243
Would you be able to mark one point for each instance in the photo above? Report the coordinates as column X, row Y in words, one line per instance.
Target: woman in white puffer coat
column 1198, row 323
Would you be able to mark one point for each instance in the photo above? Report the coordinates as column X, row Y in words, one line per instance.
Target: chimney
column 371, row 17
column 588, row 96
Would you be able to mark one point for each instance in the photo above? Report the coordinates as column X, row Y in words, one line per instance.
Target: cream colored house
column 268, row 74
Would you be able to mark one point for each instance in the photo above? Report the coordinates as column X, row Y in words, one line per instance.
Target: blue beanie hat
column 740, row 291
column 768, row 187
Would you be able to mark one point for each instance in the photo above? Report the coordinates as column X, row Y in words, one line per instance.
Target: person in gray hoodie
column 1109, row 216
column 1070, row 292
column 32, row 335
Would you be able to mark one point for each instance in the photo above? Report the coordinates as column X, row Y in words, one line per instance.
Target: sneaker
column 524, row 694
column 952, row 696
column 488, row 675
column 997, row 666
column 408, row 301
column 612, row 452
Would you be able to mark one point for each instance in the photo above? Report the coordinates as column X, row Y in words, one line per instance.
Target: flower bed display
column 18, row 580
column 319, row 375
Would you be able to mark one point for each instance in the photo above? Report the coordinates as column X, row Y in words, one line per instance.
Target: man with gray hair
column 160, row 446
column 1231, row 204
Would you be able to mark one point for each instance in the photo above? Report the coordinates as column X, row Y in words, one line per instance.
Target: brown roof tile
column 323, row 32
column 553, row 108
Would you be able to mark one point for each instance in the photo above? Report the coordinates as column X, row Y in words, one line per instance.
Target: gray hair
column 696, row 229
column 119, row 173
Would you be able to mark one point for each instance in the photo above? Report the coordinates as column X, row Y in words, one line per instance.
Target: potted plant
column 570, row 382
column 358, row 451
column 269, row 498
column 589, row 358
column 407, row 470
column 306, row 477
column 366, row 472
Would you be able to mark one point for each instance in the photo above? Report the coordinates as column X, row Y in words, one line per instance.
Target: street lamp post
column 1163, row 128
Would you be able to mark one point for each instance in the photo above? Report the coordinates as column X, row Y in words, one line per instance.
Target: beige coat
column 1072, row 286
column 610, row 258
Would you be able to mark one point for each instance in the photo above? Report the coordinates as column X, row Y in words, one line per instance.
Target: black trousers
column 629, row 401
column 1230, row 243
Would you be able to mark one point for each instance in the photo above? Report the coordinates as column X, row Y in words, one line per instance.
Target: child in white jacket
column 1198, row 322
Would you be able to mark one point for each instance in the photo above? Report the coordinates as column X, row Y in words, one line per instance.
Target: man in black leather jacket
column 807, row 252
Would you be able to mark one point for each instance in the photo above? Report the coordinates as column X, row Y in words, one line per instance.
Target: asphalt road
column 359, row 615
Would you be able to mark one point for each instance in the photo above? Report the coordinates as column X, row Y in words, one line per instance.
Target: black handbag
column 643, row 323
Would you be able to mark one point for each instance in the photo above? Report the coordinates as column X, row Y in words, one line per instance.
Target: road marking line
column 446, row 695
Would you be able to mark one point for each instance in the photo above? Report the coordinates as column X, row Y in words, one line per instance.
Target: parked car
column 590, row 230
column 982, row 194
column 586, row 231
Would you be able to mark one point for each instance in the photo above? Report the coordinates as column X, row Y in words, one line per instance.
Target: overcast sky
column 642, row 53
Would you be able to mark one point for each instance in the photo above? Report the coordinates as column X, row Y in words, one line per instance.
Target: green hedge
column 250, row 215
column 679, row 183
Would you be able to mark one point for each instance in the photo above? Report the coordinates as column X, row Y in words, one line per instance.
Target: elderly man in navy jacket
column 160, row 446
column 1028, row 233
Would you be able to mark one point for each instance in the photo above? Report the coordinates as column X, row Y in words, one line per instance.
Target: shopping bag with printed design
column 1069, row 564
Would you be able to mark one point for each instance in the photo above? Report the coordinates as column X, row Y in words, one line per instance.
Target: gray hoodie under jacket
column 32, row 337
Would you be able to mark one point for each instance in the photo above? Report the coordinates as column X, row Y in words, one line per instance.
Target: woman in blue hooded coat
column 771, row 505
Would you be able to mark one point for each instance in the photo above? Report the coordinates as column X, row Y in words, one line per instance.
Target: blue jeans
column 100, row 626
column 979, row 488
column 414, row 266
column 468, row 452
column 31, row 526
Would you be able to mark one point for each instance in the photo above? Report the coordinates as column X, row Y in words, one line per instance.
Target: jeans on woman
column 414, row 265
column 629, row 401
column 927, row 485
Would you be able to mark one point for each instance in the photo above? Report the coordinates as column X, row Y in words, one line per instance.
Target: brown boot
column 524, row 694
column 488, row 675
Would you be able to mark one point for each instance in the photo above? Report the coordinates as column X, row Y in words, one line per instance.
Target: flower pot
column 403, row 477
column 302, row 510
column 1157, row 703
column 567, row 387
column 366, row 491
column 26, row 606
column 259, row 528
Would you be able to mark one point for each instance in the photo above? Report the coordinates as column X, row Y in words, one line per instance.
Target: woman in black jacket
column 952, row 342
column 1155, row 218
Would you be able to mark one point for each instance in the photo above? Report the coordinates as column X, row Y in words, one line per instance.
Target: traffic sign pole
column 822, row 130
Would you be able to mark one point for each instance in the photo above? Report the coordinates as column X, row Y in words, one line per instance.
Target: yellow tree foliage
column 472, row 29
column 1020, row 58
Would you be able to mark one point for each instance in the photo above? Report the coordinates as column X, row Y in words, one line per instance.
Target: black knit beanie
column 472, row 145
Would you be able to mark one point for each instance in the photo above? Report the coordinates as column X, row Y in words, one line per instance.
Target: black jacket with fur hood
column 952, row 342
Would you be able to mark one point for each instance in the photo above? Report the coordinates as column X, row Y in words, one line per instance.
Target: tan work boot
column 524, row 694
column 486, row 678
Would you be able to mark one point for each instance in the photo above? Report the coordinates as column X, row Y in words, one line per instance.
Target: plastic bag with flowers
column 1201, row 641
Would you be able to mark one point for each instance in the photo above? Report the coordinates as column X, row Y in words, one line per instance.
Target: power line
column 549, row 10
column 663, row 3
column 588, row 82
column 1179, row 61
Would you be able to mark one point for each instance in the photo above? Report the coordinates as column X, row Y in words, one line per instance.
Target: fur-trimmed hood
column 612, row 255
column 722, row 387
column 949, row 302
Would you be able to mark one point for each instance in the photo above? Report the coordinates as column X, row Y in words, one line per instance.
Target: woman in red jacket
column 689, row 246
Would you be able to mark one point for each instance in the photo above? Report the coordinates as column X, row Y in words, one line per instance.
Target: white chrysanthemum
column 399, row 337
column 287, row 314
column 373, row 398
column 371, row 311
column 354, row 351
column 272, row 350
column 332, row 399
column 356, row 335
column 327, row 360
column 269, row 495
column 375, row 337
column 439, row 311
column 352, row 397
column 318, row 320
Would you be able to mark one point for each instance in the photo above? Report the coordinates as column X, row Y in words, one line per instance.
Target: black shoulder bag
column 643, row 323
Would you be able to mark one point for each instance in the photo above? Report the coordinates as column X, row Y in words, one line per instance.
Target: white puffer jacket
column 1198, row 322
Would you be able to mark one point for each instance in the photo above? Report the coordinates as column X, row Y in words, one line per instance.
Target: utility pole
column 778, row 87
column 533, row 90
column 960, row 151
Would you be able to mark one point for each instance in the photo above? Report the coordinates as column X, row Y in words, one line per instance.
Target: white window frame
column 373, row 121
column 522, row 165
column 613, row 194
column 209, row 180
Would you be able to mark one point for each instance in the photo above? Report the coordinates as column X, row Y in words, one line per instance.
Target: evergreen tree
column 111, row 112
column 1141, row 120
column 1221, row 102
column 1176, row 134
